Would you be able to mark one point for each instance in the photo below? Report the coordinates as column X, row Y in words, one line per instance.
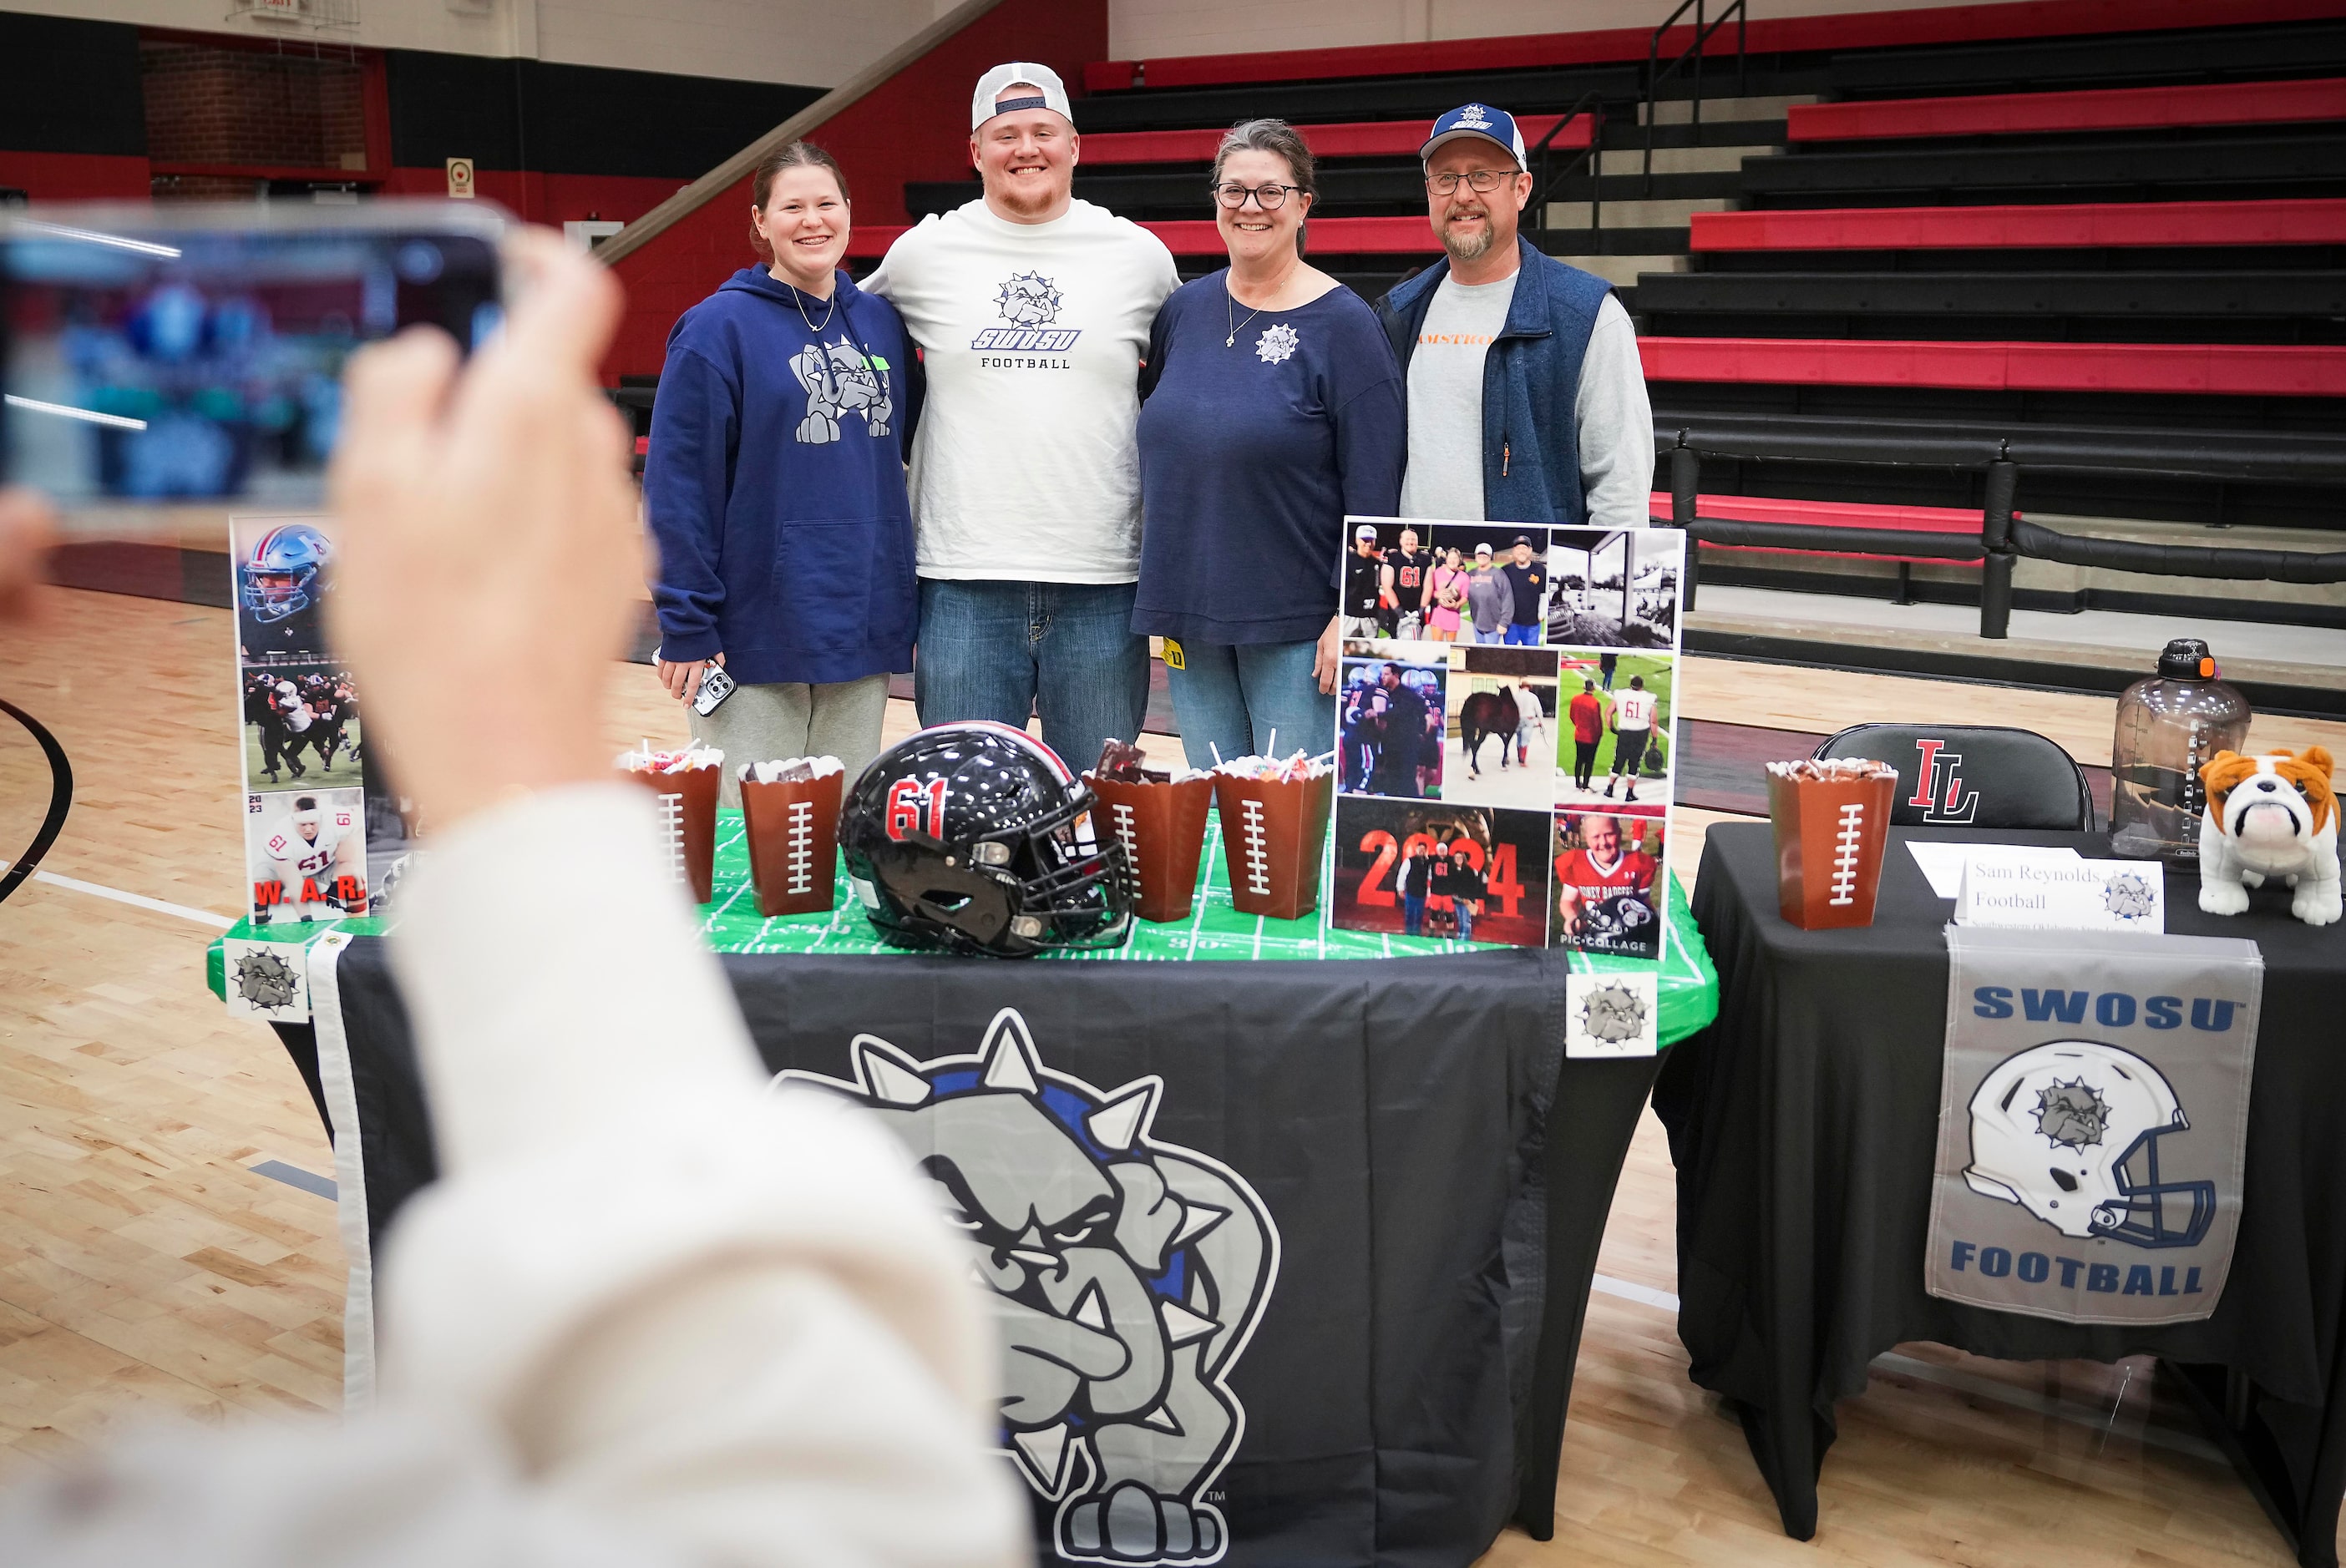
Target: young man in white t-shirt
column 1633, row 727
column 1569, row 436
column 1032, row 311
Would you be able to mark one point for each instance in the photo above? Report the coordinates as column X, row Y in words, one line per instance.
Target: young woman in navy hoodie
column 775, row 488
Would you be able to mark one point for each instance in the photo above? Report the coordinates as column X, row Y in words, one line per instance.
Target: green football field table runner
column 1214, row 933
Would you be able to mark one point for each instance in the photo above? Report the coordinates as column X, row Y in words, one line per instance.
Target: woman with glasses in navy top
column 1271, row 408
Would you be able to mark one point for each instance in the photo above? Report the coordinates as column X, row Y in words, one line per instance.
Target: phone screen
column 148, row 364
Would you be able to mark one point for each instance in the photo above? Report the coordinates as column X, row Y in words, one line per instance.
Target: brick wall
column 212, row 105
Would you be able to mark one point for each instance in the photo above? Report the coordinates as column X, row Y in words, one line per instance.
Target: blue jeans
column 1005, row 650
column 1233, row 697
column 1523, row 634
column 1413, row 914
column 1465, row 920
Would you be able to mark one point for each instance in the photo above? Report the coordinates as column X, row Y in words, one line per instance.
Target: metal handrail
column 1593, row 105
column 1656, row 73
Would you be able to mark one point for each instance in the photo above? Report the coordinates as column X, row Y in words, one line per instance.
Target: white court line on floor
column 136, row 901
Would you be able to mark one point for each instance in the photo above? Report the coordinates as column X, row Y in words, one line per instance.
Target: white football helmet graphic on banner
column 2070, row 1131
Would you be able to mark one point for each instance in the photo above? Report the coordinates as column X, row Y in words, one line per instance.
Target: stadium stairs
column 1866, row 257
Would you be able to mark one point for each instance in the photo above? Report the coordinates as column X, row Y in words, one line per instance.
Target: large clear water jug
column 2168, row 725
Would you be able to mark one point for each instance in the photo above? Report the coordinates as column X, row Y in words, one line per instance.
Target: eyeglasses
column 1269, row 198
column 1482, row 181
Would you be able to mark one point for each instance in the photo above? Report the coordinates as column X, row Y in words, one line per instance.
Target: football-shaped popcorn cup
column 789, row 811
column 1161, row 823
column 685, row 782
column 1273, row 830
column 1831, row 821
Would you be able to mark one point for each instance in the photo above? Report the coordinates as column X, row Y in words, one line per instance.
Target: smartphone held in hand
column 192, row 354
column 716, row 685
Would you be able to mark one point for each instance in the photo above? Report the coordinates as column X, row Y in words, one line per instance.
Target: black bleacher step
column 1877, row 326
column 2198, row 294
column 1609, row 241
column 1365, row 99
column 1143, row 192
column 2255, row 167
column 2104, row 60
column 1624, row 133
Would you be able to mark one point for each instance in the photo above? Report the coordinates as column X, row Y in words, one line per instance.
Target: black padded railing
column 1656, row 72
column 2002, row 543
column 1592, row 105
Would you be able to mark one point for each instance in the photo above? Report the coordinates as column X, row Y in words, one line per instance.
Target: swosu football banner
column 2092, row 1116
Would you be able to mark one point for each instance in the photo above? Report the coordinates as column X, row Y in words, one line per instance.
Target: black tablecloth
column 1803, row 1123
column 1437, row 1173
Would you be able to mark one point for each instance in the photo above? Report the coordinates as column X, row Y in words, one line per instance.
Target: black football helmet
column 976, row 838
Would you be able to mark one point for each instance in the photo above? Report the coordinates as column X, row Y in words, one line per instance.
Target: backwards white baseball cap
column 1050, row 92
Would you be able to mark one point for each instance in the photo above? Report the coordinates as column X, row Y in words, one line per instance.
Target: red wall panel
column 915, row 125
column 75, row 175
column 1860, row 30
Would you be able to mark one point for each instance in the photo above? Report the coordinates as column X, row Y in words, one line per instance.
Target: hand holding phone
column 194, row 354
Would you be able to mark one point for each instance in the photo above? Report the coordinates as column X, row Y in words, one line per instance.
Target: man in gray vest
column 1526, row 398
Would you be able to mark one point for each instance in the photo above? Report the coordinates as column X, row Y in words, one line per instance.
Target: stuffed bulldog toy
column 2270, row 816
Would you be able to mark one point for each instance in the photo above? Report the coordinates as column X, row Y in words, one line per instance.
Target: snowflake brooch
column 2128, row 896
column 266, row 981
column 1277, row 343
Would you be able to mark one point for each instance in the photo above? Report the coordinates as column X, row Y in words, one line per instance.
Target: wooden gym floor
column 146, row 1270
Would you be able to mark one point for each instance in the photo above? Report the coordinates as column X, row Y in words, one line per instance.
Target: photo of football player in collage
column 1507, row 725
column 323, row 837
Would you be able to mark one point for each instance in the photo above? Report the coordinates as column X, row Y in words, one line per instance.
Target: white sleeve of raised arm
column 1616, row 425
column 722, row 1319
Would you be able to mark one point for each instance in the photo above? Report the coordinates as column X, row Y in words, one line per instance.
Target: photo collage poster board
column 323, row 836
column 1516, row 789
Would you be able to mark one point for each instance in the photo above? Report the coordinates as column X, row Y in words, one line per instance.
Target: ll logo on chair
column 1957, row 806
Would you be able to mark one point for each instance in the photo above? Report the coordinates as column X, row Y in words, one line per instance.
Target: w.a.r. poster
column 1506, row 732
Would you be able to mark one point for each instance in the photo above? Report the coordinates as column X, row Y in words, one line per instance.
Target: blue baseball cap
column 1478, row 120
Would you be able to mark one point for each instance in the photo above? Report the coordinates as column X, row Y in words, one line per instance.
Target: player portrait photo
column 1608, row 881
column 1498, row 732
column 281, row 590
column 301, row 726
column 305, row 855
column 1613, row 735
column 1389, row 717
column 1614, row 587
column 1431, row 869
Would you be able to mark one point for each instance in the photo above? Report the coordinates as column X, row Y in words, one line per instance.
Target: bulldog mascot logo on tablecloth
column 1128, row 1274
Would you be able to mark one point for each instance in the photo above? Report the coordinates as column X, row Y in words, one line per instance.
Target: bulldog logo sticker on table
column 1128, row 1274
column 2091, row 1123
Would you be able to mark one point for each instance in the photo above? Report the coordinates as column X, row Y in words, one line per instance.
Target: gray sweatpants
column 768, row 723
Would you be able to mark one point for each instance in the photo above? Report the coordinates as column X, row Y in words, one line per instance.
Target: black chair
column 1972, row 774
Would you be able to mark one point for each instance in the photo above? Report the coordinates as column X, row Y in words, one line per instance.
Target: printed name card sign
column 2016, row 889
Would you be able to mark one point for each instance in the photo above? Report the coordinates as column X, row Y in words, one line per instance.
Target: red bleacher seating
column 1357, row 139
column 2252, row 369
column 1767, row 34
column 1329, row 237
column 2120, row 108
column 2308, row 221
column 1966, row 522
